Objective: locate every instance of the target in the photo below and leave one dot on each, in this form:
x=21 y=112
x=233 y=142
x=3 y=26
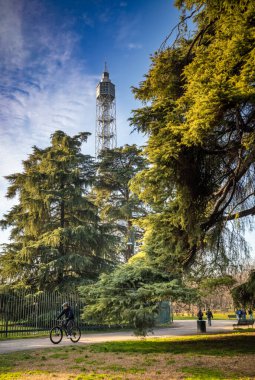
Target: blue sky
x=52 y=56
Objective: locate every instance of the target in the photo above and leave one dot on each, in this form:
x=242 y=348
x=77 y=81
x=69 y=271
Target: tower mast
x=106 y=134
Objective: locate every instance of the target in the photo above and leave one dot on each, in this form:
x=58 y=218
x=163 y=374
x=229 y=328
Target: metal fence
x=23 y=313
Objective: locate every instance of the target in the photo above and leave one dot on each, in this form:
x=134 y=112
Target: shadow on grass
x=216 y=345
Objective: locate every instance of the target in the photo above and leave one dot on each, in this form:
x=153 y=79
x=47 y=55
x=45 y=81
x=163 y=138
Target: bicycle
x=57 y=332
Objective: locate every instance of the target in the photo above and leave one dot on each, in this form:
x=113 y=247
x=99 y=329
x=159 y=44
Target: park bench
x=244 y=322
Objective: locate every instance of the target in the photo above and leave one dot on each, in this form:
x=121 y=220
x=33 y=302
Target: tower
x=106 y=134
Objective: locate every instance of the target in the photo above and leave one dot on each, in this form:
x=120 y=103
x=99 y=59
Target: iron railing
x=23 y=313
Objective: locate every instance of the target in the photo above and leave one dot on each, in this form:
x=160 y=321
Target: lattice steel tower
x=106 y=134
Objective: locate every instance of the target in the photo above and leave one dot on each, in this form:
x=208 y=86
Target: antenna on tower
x=106 y=133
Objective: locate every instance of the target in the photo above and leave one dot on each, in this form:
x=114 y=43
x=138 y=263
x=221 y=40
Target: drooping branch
x=177 y=26
x=200 y=36
x=241 y=169
x=242 y=201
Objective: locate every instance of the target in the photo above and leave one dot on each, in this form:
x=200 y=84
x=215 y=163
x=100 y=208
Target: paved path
x=179 y=328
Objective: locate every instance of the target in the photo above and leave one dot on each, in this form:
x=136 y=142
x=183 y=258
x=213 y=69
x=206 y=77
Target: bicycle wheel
x=75 y=334
x=56 y=334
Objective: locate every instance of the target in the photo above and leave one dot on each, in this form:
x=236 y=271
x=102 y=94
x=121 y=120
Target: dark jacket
x=200 y=315
x=209 y=314
x=68 y=312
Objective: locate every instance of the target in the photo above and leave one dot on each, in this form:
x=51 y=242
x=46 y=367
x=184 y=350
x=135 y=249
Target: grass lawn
x=24 y=335
x=223 y=356
x=216 y=316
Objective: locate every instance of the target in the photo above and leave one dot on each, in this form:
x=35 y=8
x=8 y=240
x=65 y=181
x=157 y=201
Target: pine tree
x=244 y=294
x=57 y=240
x=199 y=115
x=117 y=203
x=131 y=295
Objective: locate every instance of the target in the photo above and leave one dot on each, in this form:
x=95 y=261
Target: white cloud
x=28 y=120
x=43 y=89
x=11 y=39
x=132 y=46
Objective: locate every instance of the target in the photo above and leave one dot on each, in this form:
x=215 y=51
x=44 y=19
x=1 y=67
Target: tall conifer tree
x=57 y=240
x=117 y=203
x=199 y=114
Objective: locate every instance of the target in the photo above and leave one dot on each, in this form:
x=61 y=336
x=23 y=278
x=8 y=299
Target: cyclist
x=69 y=315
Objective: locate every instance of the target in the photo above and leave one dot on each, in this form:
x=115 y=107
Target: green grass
x=244 y=329
x=216 y=316
x=79 y=360
x=17 y=375
x=183 y=317
x=59 y=355
x=10 y=376
x=202 y=373
x=217 y=345
x=97 y=377
x=139 y=359
x=22 y=336
x=119 y=368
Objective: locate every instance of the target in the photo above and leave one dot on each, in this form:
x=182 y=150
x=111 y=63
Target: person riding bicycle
x=69 y=315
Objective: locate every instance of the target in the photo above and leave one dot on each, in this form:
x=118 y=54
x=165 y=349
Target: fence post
x=36 y=316
x=6 y=315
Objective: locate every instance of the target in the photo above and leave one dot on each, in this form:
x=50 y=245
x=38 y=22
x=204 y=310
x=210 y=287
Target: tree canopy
x=57 y=240
x=244 y=294
x=118 y=205
x=195 y=176
x=131 y=295
x=199 y=115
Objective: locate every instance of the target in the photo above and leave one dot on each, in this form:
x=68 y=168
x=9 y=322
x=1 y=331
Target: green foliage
x=198 y=113
x=209 y=287
x=218 y=284
x=131 y=295
x=117 y=203
x=57 y=240
x=244 y=294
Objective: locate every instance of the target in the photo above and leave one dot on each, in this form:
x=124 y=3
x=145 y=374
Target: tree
x=244 y=294
x=215 y=292
x=131 y=295
x=117 y=203
x=57 y=240
x=199 y=115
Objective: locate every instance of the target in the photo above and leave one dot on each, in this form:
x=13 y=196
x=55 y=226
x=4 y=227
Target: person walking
x=250 y=314
x=209 y=315
x=239 y=314
x=200 y=315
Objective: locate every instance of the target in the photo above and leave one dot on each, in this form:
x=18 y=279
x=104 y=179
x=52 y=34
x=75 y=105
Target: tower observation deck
x=106 y=134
